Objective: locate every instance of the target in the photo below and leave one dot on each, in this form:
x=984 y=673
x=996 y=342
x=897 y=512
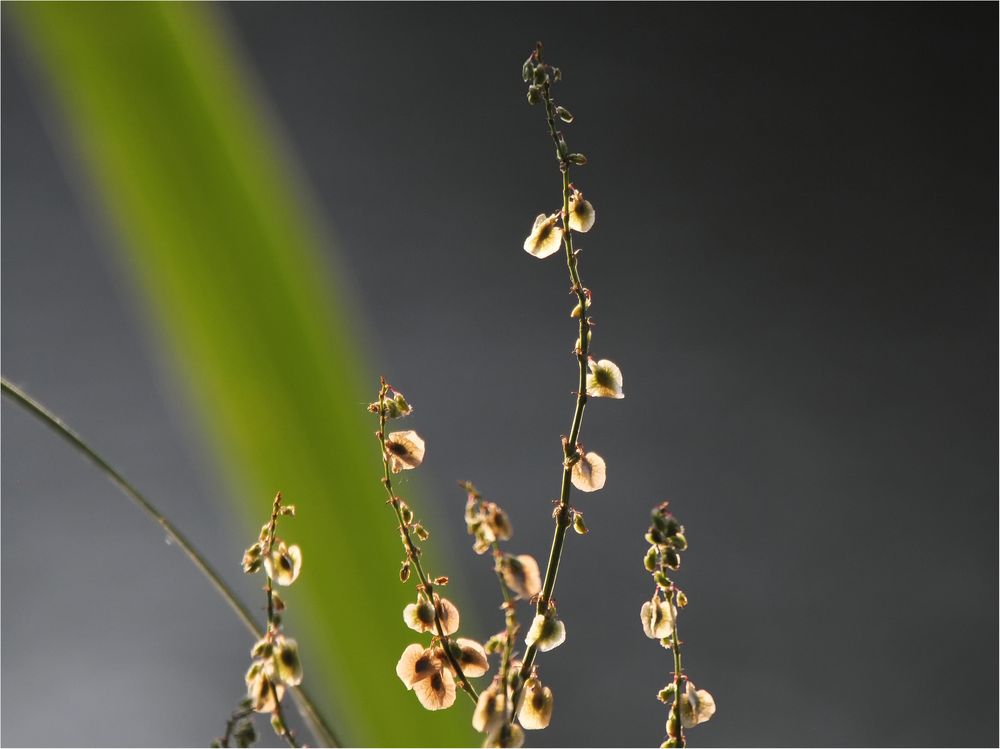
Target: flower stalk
x=383 y=408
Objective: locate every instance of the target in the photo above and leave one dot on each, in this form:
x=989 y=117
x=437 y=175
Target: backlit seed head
x=436 y=692
x=288 y=665
x=649 y=561
x=253 y=559
x=547 y=632
x=489 y=712
x=471 y=657
x=545 y=238
x=504 y=735
x=521 y=575
x=405 y=450
x=697 y=706
x=672 y=727
x=417 y=663
x=604 y=380
x=448 y=614
x=404 y=408
x=419 y=616
x=536 y=709
x=277 y=725
x=658 y=618
x=581 y=213
x=264 y=694
x=284 y=563
x=589 y=473
x=262 y=649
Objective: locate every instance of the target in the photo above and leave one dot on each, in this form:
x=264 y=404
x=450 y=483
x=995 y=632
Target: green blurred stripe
x=224 y=250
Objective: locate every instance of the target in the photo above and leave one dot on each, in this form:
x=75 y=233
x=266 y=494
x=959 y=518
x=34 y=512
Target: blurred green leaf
x=217 y=235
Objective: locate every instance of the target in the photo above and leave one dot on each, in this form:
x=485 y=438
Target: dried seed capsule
x=404 y=572
x=649 y=562
x=564 y=114
x=579 y=526
x=577 y=158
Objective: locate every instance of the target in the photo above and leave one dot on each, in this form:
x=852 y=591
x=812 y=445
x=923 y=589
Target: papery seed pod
x=471 y=657
x=404 y=572
x=672 y=559
x=564 y=114
x=253 y=559
x=405 y=512
x=673 y=526
x=589 y=473
x=391 y=410
x=489 y=712
x=419 y=616
x=581 y=213
x=666 y=695
x=679 y=541
x=649 y=562
x=577 y=158
x=526 y=70
x=658 y=618
x=579 y=526
x=547 y=632
x=545 y=238
x=672 y=727
x=415 y=664
x=284 y=563
x=577 y=311
x=262 y=649
x=662 y=580
x=604 y=380
x=682 y=599
x=697 y=706
x=405 y=450
x=536 y=709
x=539 y=74
x=655 y=536
x=288 y=663
x=447 y=614
x=404 y=408
x=245 y=734
x=534 y=95
x=496 y=642
x=277 y=725
x=436 y=692
x=288 y=510
x=422 y=533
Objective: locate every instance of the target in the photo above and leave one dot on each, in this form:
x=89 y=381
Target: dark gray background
x=794 y=264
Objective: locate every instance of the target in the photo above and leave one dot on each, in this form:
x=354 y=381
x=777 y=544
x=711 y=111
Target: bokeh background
x=222 y=223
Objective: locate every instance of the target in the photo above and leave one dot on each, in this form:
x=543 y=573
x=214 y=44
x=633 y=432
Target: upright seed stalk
x=411 y=550
x=562 y=514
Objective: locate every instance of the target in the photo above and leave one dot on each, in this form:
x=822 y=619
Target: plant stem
x=570 y=445
x=678 y=671
x=318 y=725
x=412 y=552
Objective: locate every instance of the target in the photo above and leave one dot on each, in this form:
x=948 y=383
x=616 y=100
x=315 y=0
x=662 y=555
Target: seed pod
x=404 y=572
x=672 y=559
x=534 y=95
x=579 y=526
x=682 y=600
x=679 y=541
x=564 y=114
x=540 y=74
x=577 y=158
x=662 y=580
x=422 y=533
x=406 y=512
x=650 y=560
x=666 y=695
